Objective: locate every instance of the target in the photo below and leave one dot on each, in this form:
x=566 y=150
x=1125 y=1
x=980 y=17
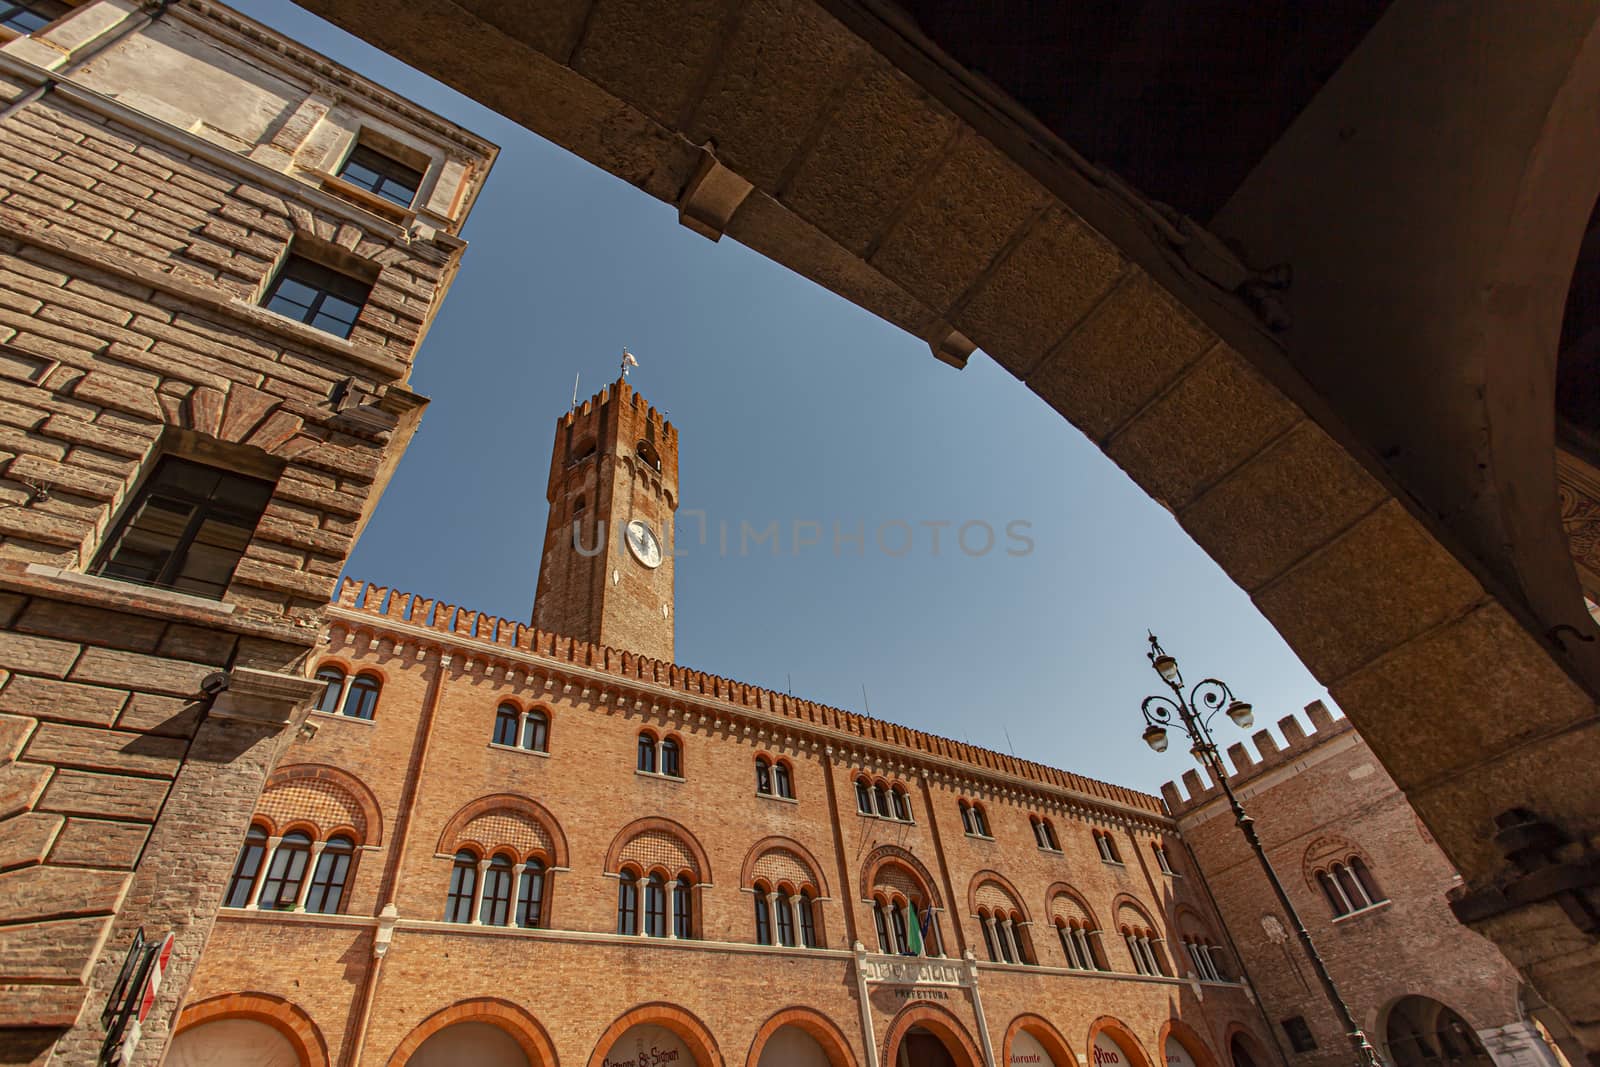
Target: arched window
x=683 y=908
x=647 y=752
x=763 y=916
x=785 y=921
x=966 y=817
x=763 y=776
x=897 y=922
x=1038 y=831
x=530 y=895
x=880 y=797
x=506 y=718
x=332 y=679
x=980 y=821
x=782 y=781
x=863 y=796
x=986 y=923
x=1162 y=859
x=1335 y=895
x=247 y=867
x=670 y=764
x=495 y=910
x=332 y=871
x=808 y=921
x=647 y=452
x=1369 y=885
x=902 y=809
x=288 y=867
x=1107 y=847
x=628 y=903
x=536 y=731
x=362 y=703
x=463 y=884
x=655 y=907
x=882 y=923
x=1352 y=889
x=1047 y=836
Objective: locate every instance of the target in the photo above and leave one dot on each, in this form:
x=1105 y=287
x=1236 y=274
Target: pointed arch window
x=332 y=679
x=628 y=903
x=530 y=895
x=863 y=796
x=506 y=718
x=362 y=701
x=332 y=871
x=463 y=887
x=288 y=867
x=247 y=868
x=683 y=908
x=973 y=818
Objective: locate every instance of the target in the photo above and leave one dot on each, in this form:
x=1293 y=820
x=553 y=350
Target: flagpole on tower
x=628 y=361
x=575 y=390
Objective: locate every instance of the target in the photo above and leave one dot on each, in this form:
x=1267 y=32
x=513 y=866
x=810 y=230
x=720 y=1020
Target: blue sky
x=794 y=405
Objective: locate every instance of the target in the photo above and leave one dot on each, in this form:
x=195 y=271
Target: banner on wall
x=1107 y=1053
x=1027 y=1052
x=647 y=1045
x=1177 y=1055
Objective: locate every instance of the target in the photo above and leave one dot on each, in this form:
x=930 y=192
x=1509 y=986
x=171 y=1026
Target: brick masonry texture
x=426 y=767
x=146 y=204
x=1322 y=795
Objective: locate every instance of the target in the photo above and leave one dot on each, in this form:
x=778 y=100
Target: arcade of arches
x=1363 y=435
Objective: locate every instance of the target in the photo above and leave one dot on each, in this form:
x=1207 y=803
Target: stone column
x=994 y=935
x=308 y=874
x=477 y=892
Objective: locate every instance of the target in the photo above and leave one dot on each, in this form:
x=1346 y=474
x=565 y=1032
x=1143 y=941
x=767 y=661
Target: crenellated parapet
x=1267 y=756
x=456 y=624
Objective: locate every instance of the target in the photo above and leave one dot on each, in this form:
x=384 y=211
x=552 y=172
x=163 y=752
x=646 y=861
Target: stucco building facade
x=219 y=253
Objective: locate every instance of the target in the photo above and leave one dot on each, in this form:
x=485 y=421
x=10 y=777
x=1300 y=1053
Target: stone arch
x=515 y=807
x=1045 y=1033
x=942 y=1024
x=688 y=1027
x=1238 y=1033
x=1326 y=849
x=658 y=824
x=282 y=1015
x=329 y=798
x=995 y=878
x=1190 y=1039
x=523 y=1028
x=1118 y=1032
x=821 y=1028
x=768 y=844
x=884 y=855
x=1125 y=903
x=1186 y=921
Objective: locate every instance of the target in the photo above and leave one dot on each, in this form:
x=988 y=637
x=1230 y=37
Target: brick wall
x=148 y=194
x=1324 y=793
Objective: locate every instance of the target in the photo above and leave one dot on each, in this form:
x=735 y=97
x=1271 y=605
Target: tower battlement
x=1268 y=756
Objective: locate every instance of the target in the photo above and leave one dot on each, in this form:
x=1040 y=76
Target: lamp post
x=1160 y=712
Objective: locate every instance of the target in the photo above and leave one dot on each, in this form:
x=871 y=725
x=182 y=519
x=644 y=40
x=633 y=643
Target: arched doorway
x=244 y=1042
x=1031 y=1041
x=925 y=1035
x=1421 y=1032
x=921 y=1047
x=790 y=1046
x=656 y=1035
x=1239 y=1051
x=1181 y=1046
x=800 y=1037
x=480 y=1044
x=1111 y=1044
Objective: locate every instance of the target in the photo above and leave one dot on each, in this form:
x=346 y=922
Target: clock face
x=643 y=544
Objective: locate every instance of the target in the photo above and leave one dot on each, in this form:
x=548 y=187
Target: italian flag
x=916 y=934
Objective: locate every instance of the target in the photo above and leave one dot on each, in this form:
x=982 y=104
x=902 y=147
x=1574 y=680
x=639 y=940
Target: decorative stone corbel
x=386 y=920
x=711 y=197
x=949 y=345
x=267 y=697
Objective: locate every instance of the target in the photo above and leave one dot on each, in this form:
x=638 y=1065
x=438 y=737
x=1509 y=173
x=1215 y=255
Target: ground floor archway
x=1245 y=1051
x=1031 y=1041
x=1112 y=1044
x=800 y=1037
x=926 y=1035
x=656 y=1035
x=249 y=1029
x=485 y=1032
x=1419 y=1031
x=1182 y=1046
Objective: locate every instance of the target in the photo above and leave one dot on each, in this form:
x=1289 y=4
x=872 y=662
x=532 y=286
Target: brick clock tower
x=606 y=572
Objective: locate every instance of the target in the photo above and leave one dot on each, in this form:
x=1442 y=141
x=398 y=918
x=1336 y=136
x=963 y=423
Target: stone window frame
x=890 y=798
x=679 y=899
x=422 y=155
x=1044 y=834
x=773 y=901
x=327 y=255
x=779 y=786
x=349 y=672
x=272 y=844
x=975 y=819
x=1106 y=845
x=657 y=746
x=525 y=717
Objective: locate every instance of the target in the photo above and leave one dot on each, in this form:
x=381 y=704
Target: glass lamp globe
x=1242 y=714
x=1167 y=667
x=1155 y=737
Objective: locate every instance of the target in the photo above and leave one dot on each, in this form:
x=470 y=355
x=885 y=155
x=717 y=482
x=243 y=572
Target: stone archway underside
x=855 y=153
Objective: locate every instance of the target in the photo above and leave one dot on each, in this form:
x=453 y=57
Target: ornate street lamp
x=1186 y=710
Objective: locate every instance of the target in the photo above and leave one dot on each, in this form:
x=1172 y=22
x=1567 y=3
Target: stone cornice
x=760 y=725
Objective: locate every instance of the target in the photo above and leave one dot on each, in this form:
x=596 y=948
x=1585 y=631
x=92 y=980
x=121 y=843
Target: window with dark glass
x=288 y=867
x=1049 y=836
x=880 y=797
x=31 y=15
x=530 y=895
x=362 y=703
x=884 y=944
x=763 y=777
x=332 y=679
x=496 y=905
x=763 y=918
x=897 y=921
x=536 y=732
x=988 y=939
x=317 y=295
x=1299 y=1033
x=670 y=765
x=782 y=783
x=327 y=881
x=628 y=904
x=979 y=821
x=506 y=718
x=1358 y=867
x=966 y=817
x=808 y=922
x=902 y=810
x=655 y=907
x=682 y=909
x=383 y=175
x=647 y=753
x=246 y=869
x=785 y=921
x=1161 y=858
x=463 y=883
x=863 y=797
x=187 y=528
